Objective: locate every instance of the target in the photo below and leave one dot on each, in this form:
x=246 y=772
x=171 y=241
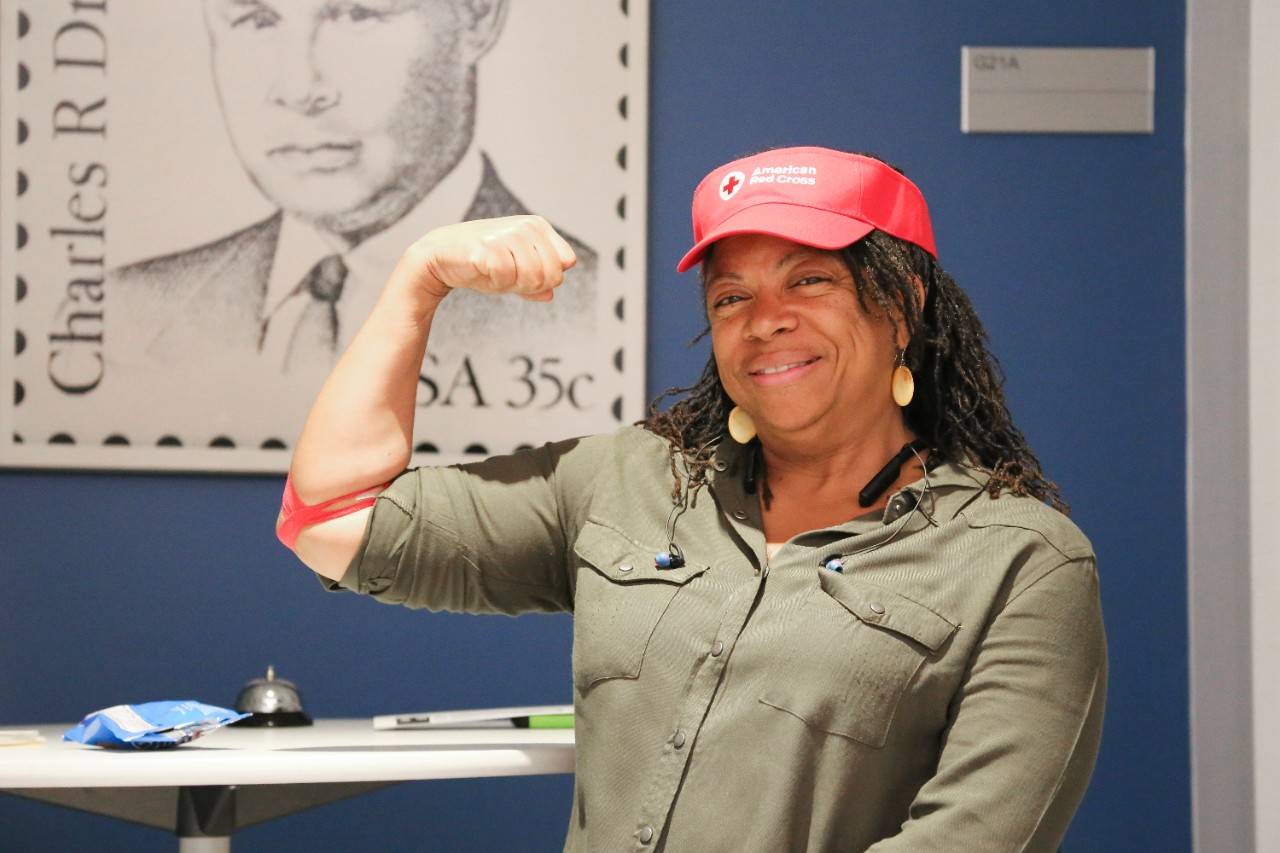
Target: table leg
x=206 y=818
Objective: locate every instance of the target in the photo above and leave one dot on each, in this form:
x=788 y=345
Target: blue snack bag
x=151 y=725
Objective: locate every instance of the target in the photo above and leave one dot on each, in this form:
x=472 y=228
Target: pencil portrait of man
x=356 y=122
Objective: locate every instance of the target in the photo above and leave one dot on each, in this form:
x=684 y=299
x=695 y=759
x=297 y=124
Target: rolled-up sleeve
x=485 y=537
x=1024 y=728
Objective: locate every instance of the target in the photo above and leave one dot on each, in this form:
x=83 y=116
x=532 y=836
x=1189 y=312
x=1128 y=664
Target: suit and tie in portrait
x=216 y=295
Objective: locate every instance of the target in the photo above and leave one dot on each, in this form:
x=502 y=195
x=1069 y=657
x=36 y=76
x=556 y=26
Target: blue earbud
x=667 y=560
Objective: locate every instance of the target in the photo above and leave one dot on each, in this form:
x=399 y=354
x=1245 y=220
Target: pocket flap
x=884 y=608
x=623 y=560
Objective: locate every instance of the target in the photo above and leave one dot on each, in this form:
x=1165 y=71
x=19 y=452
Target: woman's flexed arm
x=359 y=433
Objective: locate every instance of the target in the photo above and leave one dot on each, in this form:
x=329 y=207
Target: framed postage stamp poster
x=202 y=200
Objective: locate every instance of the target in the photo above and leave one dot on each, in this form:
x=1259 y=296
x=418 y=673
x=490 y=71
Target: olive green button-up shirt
x=938 y=686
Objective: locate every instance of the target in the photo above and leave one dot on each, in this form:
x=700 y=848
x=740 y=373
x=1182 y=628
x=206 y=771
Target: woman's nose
x=769 y=316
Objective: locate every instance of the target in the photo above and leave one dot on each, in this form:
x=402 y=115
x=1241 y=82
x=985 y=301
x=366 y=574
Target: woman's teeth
x=782 y=368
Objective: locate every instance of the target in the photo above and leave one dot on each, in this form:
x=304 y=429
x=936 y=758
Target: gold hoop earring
x=903 y=382
x=741 y=428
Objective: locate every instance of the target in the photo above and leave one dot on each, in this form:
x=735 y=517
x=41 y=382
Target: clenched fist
x=515 y=254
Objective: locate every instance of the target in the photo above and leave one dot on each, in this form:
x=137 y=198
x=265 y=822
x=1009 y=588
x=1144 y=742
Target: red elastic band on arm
x=295 y=515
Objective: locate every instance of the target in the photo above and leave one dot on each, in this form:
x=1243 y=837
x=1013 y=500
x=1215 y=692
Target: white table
x=236 y=777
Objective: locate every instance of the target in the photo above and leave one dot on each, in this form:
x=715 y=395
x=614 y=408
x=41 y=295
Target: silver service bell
x=273 y=702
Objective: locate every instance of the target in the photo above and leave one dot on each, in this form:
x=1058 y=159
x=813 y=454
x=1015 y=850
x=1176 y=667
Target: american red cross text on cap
x=813 y=196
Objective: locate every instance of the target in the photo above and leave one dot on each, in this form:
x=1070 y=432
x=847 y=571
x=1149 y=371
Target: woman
x=820 y=603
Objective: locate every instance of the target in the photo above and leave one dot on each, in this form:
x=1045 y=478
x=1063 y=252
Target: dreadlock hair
x=958 y=408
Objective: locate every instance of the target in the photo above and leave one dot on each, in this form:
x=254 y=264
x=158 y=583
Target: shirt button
x=625 y=567
x=646 y=834
x=740 y=515
x=876 y=607
x=720 y=465
x=716 y=648
x=678 y=740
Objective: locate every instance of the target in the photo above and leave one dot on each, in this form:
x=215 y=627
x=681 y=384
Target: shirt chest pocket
x=852 y=650
x=619 y=601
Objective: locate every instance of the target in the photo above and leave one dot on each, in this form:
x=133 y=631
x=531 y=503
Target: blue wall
x=122 y=587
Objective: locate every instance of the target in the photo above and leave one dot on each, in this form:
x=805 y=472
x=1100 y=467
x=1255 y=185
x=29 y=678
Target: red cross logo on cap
x=730 y=184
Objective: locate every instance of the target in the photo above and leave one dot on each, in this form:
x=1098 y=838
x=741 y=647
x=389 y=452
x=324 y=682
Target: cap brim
x=807 y=226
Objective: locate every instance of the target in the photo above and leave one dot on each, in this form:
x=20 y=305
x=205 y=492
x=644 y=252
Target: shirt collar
x=298 y=247
x=942 y=492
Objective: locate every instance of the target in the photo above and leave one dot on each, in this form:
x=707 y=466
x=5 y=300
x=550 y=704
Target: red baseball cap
x=813 y=196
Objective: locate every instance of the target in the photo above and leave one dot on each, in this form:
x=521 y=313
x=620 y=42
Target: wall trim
x=1218 y=492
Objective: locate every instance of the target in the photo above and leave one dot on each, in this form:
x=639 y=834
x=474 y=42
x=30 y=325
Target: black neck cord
x=870 y=493
x=886 y=476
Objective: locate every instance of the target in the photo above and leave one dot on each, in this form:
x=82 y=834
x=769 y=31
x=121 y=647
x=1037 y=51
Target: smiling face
x=794 y=346
x=348 y=113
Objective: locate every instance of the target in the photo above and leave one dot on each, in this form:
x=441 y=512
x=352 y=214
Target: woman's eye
x=812 y=279
x=726 y=300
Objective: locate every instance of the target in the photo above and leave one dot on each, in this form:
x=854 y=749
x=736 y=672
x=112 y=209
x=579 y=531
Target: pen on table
x=544 y=721
x=469 y=720
x=523 y=716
